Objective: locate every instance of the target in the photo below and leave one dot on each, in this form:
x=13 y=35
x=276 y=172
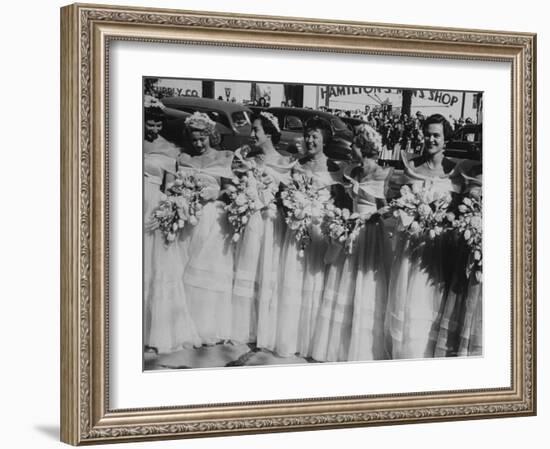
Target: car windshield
x=338 y=124
x=240 y=119
x=468 y=135
x=293 y=123
x=218 y=117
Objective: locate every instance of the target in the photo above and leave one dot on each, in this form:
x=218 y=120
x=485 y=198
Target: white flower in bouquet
x=241 y=199
x=300 y=198
x=341 y=227
x=439 y=216
x=424 y=210
x=415 y=227
x=476 y=222
x=468 y=224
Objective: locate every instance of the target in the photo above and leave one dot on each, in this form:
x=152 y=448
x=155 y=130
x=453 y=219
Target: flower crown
x=200 y=121
x=152 y=102
x=274 y=120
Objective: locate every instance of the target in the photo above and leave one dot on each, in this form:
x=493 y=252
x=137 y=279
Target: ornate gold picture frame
x=87 y=414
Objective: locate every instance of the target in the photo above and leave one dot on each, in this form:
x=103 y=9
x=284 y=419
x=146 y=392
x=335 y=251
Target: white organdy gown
x=302 y=279
x=167 y=321
x=417 y=290
x=257 y=265
x=351 y=319
x=208 y=271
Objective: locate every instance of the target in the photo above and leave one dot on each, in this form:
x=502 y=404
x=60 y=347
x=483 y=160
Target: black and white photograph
x=302 y=223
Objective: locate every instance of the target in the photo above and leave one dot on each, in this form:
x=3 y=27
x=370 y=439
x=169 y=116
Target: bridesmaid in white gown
x=207 y=253
x=167 y=322
x=303 y=276
x=460 y=329
x=351 y=319
x=255 y=294
x=420 y=276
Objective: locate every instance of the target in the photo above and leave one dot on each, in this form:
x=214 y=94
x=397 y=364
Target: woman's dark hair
x=268 y=126
x=435 y=119
x=154 y=113
x=321 y=124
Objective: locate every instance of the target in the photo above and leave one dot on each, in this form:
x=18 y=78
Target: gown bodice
x=274 y=165
x=159 y=158
x=326 y=176
x=209 y=168
x=364 y=195
x=439 y=184
x=365 y=191
x=278 y=167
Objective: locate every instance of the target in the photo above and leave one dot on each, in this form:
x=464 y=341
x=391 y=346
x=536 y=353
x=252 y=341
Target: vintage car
x=292 y=120
x=352 y=122
x=232 y=119
x=466 y=143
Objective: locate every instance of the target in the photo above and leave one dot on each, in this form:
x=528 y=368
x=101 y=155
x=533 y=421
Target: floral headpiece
x=201 y=122
x=152 y=102
x=274 y=120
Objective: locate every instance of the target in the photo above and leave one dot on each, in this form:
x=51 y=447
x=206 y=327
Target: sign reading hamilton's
x=438 y=96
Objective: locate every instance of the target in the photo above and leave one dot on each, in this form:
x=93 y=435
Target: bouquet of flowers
x=468 y=223
x=341 y=226
x=182 y=203
x=252 y=191
x=421 y=211
x=303 y=205
x=169 y=217
x=191 y=189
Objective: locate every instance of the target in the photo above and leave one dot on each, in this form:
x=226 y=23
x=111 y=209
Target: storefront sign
x=437 y=96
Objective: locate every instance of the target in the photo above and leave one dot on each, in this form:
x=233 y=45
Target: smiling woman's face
x=314 y=142
x=152 y=129
x=258 y=134
x=434 y=138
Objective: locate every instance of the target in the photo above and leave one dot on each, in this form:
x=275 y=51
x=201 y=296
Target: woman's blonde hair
x=199 y=121
x=368 y=140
